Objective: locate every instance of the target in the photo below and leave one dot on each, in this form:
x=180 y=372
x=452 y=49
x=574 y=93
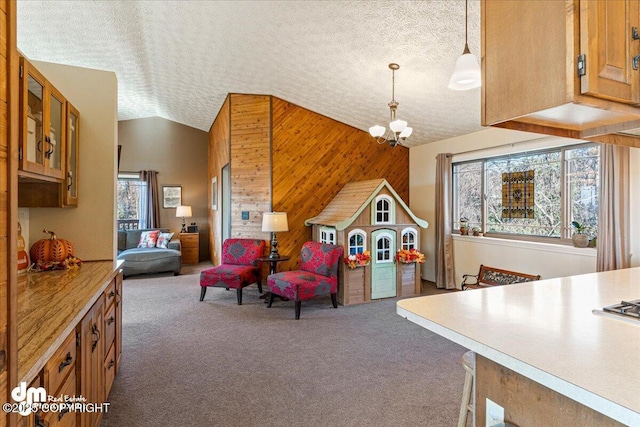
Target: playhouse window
x=383 y=252
x=409 y=238
x=383 y=212
x=328 y=235
x=357 y=242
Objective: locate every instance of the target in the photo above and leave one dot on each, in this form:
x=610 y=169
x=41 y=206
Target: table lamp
x=274 y=222
x=184 y=212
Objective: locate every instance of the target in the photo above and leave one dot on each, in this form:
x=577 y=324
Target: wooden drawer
x=109 y=328
x=110 y=294
x=189 y=240
x=63 y=418
x=109 y=370
x=60 y=364
x=189 y=255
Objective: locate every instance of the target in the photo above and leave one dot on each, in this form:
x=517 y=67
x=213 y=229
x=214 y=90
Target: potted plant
x=580 y=237
x=463 y=226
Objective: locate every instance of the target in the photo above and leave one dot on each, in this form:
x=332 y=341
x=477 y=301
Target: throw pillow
x=163 y=240
x=148 y=239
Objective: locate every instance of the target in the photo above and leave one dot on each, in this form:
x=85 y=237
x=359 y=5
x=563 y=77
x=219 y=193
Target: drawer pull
x=111 y=363
x=95 y=334
x=39 y=421
x=112 y=294
x=66 y=362
x=110 y=320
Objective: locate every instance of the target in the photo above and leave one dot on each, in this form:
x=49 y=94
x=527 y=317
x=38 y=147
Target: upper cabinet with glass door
x=43 y=117
x=73 y=145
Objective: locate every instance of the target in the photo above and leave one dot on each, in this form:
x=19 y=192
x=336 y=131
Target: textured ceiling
x=179 y=59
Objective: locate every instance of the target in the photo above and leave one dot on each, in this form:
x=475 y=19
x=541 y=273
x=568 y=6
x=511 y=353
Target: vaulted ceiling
x=179 y=59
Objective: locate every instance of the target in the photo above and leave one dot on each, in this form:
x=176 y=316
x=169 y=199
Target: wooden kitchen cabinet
x=532 y=58
x=42 y=123
x=90 y=367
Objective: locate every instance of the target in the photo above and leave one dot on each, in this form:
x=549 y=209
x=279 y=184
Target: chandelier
x=398 y=129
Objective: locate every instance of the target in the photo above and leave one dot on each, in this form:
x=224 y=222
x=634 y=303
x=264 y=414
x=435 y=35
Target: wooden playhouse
x=371 y=216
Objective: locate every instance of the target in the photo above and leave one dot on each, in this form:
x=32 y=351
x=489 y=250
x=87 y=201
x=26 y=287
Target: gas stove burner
x=625 y=308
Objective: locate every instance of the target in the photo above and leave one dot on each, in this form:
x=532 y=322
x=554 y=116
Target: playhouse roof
x=352 y=200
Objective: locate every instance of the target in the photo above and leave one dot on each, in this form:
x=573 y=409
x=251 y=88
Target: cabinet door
x=55 y=133
x=32 y=99
x=73 y=145
x=118 y=320
x=606 y=39
x=91 y=360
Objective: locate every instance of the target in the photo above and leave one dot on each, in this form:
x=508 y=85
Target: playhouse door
x=383 y=266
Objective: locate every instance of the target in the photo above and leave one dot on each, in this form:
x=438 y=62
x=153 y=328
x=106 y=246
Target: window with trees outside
x=131 y=194
x=357 y=242
x=566 y=187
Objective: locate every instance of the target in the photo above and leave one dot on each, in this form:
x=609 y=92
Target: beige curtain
x=444 y=242
x=613 y=214
x=150 y=215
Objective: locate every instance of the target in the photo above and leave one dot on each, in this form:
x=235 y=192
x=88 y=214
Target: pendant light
x=466 y=73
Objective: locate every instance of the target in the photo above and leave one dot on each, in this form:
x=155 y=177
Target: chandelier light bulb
x=398 y=125
x=376 y=131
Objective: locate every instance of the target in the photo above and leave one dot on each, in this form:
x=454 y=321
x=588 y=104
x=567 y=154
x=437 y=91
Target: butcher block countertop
x=50 y=305
x=546 y=331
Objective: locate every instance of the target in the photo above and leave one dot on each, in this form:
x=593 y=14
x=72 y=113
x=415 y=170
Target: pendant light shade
x=466 y=73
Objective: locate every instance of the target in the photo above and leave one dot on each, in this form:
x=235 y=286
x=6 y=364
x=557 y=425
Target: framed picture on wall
x=214 y=193
x=171 y=196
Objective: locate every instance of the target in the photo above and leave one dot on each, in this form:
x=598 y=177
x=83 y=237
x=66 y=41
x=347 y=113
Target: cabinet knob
x=66 y=362
x=112 y=294
x=110 y=364
x=110 y=320
x=635 y=61
x=95 y=333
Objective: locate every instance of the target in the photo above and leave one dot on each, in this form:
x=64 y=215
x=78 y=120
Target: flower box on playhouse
x=372 y=223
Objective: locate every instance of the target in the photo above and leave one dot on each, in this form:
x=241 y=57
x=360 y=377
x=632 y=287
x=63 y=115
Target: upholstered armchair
x=238 y=268
x=318 y=275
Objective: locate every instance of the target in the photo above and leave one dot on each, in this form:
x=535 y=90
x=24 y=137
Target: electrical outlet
x=494 y=413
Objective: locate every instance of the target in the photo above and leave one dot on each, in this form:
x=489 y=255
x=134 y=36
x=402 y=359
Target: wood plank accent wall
x=313 y=158
x=8 y=204
x=219 y=140
x=250 y=155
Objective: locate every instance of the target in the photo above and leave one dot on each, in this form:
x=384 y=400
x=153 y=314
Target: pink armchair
x=318 y=275
x=239 y=267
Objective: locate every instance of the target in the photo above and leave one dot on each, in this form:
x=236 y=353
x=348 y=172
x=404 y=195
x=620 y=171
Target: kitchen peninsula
x=540 y=343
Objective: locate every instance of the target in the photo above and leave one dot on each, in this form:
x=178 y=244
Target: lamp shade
x=274 y=222
x=398 y=125
x=183 y=211
x=466 y=73
x=376 y=131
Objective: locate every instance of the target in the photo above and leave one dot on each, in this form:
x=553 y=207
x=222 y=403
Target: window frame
x=389 y=237
x=409 y=230
x=391 y=212
x=357 y=231
x=565 y=202
x=327 y=230
x=133 y=176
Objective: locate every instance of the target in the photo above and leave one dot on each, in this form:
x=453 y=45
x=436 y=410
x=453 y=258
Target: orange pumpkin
x=51 y=249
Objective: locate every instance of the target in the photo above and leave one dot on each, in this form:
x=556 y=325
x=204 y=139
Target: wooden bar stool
x=469 y=365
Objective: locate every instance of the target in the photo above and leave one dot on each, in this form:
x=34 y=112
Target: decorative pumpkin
x=51 y=250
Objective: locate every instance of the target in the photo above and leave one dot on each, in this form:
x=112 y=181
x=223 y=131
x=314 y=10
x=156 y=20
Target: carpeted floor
x=214 y=363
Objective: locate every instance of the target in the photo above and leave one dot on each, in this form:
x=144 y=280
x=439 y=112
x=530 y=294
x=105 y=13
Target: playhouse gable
x=354 y=199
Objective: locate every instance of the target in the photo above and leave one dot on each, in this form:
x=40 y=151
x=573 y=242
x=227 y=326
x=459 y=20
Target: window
x=132 y=196
x=565 y=183
x=383 y=210
x=383 y=248
x=328 y=235
x=357 y=242
x=409 y=238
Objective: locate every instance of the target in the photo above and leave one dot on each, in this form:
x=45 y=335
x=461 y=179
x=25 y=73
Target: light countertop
x=50 y=305
x=546 y=331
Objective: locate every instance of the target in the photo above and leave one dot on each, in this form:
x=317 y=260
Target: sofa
x=148 y=260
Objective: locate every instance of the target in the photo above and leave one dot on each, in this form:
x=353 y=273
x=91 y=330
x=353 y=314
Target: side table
x=190 y=251
x=273 y=266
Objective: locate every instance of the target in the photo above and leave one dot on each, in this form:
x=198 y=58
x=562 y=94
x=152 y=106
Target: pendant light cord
x=466 y=27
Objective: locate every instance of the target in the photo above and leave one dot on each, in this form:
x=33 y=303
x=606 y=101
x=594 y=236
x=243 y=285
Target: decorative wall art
x=171 y=196
x=518 y=194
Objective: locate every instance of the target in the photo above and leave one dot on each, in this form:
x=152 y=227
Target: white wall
x=90 y=226
x=547 y=260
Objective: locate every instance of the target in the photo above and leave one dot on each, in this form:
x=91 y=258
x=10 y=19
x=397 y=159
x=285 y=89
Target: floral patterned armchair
x=239 y=267
x=318 y=275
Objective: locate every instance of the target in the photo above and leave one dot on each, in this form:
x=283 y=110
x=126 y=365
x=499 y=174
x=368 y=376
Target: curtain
x=150 y=206
x=444 y=241
x=613 y=209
